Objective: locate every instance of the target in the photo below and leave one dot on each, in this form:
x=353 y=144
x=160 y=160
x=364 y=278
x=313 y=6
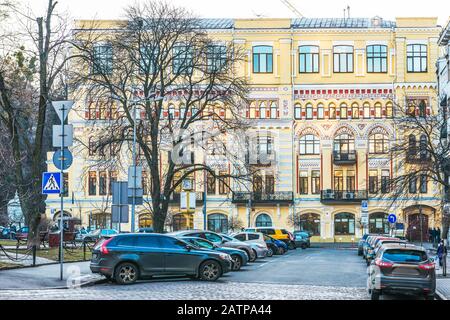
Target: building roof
x=445 y=35
x=309 y=23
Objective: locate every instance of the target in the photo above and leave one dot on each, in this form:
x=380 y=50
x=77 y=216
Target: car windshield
x=402 y=255
x=203 y=243
x=95 y=232
x=228 y=238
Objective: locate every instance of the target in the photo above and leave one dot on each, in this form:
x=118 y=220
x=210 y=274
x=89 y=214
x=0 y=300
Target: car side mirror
x=188 y=247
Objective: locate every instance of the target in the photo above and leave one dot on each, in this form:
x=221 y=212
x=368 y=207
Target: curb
x=439 y=296
x=89 y=283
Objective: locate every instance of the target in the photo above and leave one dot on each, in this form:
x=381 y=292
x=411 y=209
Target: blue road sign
x=65 y=156
x=51 y=183
x=392 y=218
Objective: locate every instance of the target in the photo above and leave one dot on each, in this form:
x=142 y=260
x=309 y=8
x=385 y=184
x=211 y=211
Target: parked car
x=146 y=230
x=402 y=269
x=81 y=234
x=219 y=239
x=362 y=242
x=369 y=243
x=258 y=249
x=279 y=246
x=250 y=237
x=7 y=233
x=99 y=233
x=371 y=253
x=22 y=233
x=239 y=257
x=279 y=234
x=302 y=239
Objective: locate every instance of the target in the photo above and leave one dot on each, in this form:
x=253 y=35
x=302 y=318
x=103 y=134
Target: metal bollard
x=84 y=250
x=34 y=255
x=444 y=265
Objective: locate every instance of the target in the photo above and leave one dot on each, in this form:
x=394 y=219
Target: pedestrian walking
x=430 y=235
x=438 y=235
x=441 y=252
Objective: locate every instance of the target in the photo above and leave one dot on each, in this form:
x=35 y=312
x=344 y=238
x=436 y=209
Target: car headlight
x=225 y=256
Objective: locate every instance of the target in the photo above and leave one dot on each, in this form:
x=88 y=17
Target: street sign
x=365 y=206
x=65 y=156
x=392 y=218
x=364 y=220
x=57 y=136
x=62 y=108
x=120 y=204
x=131 y=177
x=138 y=195
x=51 y=183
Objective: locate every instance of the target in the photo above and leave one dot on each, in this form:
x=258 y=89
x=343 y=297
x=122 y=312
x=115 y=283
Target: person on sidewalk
x=438 y=235
x=441 y=252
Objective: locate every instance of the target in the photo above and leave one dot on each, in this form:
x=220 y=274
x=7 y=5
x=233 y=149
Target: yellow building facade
x=323 y=95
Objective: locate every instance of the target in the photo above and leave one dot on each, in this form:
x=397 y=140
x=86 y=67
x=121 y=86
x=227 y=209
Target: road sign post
x=62 y=108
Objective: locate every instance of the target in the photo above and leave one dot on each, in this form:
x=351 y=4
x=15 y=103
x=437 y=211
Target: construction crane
x=291 y=7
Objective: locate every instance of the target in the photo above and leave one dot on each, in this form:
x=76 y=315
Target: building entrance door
x=417 y=229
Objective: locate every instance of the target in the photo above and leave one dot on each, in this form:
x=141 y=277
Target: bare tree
x=162 y=54
x=235 y=224
x=28 y=83
x=420 y=156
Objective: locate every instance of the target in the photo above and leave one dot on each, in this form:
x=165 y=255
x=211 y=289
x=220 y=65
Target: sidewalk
x=47 y=277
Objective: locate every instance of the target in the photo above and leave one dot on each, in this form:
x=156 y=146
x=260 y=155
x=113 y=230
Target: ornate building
x=323 y=99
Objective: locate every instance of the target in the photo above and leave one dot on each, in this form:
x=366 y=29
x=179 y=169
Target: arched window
x=343 y=111
x=262 y=59
x=262 y=110
x=172 y=112
x=182 y=222
x=389 y=110
x=218 y=223
x=309 y=144
x=273 y=110
x=355 y=111
x=378 y=110
x=344 y=143
x=320 y=111
x=344 y=224
x=378 y=143
x=412 y=145
x=298 y=111
x=423 y=147
x=309 y=111
x=422 y=109
x=366 y=107
x=331 y=111
x=145 y=221
x=310 y=222
x=263 y=220
x=182 y=111
x=378 y=223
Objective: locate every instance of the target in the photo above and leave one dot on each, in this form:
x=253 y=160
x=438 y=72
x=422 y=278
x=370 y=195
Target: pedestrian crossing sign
x=51 y=183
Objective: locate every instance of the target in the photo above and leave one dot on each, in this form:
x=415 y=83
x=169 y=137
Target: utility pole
x=61 y=215
x=133 y=205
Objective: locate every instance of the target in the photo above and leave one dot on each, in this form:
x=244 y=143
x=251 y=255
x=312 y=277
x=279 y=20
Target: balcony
x=343 y=197
x=344 y=158
x=263 y=198
x=175 y=198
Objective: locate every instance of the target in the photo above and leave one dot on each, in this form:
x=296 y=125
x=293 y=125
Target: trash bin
x=53 y=240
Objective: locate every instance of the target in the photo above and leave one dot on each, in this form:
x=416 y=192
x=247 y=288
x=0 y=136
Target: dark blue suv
x=127 y=258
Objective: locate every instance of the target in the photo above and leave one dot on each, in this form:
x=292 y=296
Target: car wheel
x=304 y=246
x=375 y=294
x=360 y=253
x=270 y=252
x=368 y=262
x=237 y=262
x=126 y=273
x=255 y=253
x=210 y=271
x=292 y=246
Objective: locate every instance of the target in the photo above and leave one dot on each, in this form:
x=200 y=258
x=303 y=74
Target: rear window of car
x=253 y=237
x=240 y=237
x=404 y=255
x=284 y=231
x=147 y=242
x=126 y=241
x=266 y=231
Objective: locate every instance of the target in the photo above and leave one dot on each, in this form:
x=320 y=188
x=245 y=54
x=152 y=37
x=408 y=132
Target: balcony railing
x=348 y=157
x=332 y=196
x=259 y=197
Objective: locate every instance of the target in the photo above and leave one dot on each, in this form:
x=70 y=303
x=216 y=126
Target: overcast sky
x=388 y=9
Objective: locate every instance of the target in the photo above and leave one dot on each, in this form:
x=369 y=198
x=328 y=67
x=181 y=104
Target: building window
x=91 y=146
x=102 y=185
x=417 y=58
x=92 y=183
x=145 y=182
x=112 y=179
x=385 y=179
x=351 y=181
x=270 y=184
x=310 y=222
x=373 y=181
x=171 y=112
x=183 y=222
x=224 y=183
x=257 y=184
x=378 y=110
x=412 y=184
x=343 y=114
x=422 y=109
x=315 y=182
x=218 y=223
x=262 y=110
x=355 y=111
x=344 y=143
x=264 y=146
x=298 y=111
x=366 y=108
x=103 y=59
x=332 y=111
x=309 y=111
x=149 y=59
x=303 y=182
x=309 y=59
x=423 y=183
x=339 y=180
x=412 y=145
x=217 y=58
x=377 y=59
x=423 y=147
x=262 y=59
x=309 y=145
x=273 y=110
x=263 y=220
x=210 y=184
x=343 y=59
x=389 y=110
x=378 y=143
x=182 y=59
x=378 y=223
x=344 y=224
x=320 y=111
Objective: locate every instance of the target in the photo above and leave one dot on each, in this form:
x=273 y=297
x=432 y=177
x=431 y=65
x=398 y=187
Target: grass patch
x=5 y=242
x=53 y=254
x=6 y=266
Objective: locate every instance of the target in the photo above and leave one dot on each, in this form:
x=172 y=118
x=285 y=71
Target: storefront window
x=218 y=223
x=344 y=224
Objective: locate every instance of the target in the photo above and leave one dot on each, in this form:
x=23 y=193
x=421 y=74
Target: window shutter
x=278 y=114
